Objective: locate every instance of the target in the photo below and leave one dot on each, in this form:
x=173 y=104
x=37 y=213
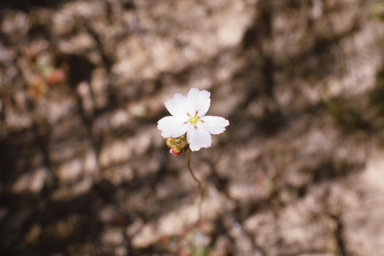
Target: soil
x=85 y=171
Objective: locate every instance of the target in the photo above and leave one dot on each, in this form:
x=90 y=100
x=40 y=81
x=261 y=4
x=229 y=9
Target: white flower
x=188 y=116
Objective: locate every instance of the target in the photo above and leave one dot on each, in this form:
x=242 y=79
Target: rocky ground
x=84 y=170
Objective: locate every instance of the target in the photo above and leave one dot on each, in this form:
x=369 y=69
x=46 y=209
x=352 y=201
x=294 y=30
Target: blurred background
x=299 y=170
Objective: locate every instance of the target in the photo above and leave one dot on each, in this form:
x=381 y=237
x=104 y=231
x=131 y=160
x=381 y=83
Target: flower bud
x=170 y=142
x=177 y=150
x=177 y=145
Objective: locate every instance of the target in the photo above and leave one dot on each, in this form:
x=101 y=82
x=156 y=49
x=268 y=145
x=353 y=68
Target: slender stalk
x=202 y=192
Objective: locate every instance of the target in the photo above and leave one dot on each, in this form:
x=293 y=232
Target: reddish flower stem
x=202 y=192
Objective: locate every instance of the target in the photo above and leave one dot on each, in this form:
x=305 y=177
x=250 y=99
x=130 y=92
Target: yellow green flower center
x=194 y=119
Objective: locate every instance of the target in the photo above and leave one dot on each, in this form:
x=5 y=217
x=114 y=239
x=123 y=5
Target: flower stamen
x=194 y=119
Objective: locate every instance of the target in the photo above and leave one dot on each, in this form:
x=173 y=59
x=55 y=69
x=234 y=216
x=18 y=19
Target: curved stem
x=202 y=192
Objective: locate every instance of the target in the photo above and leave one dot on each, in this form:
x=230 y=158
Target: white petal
x=213 y=124
x=198 y=101
x=198 y=138
x=171 y=126
x=177 y=106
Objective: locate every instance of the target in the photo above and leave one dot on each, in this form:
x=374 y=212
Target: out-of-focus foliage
x=377 y=10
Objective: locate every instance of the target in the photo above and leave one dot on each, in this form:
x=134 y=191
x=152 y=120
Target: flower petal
x=171 y=126
x=177 y=106
x=198 y=101
x=213 y=124
x=198 y=138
